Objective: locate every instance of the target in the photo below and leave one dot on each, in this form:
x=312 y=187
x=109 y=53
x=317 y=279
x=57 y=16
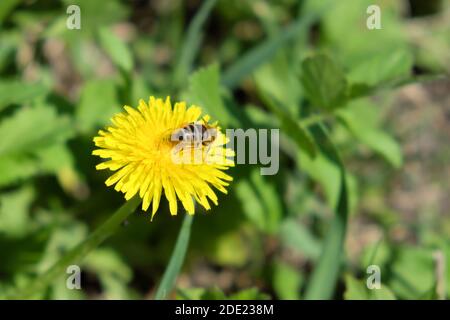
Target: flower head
x=140 y=149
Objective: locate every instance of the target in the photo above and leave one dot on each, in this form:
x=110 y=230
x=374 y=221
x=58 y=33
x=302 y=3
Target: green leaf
x=355 y=289
x=358 y=117
x=412 y=272
x=382 y=67
x=114 y=274
x=348 y=37
x=32 y=128
x=176 y=260
x=214 y=293
x=18 y=92
x=260 y=118
x=327 y=174
x=21 y=252
x=384 y=293
x=190 y=293
x=249 y=294
x=358 y=290
x=6 y=6
x=323 y=81
x=260 y=201
x=277 y=79
x=230 y=250
x=287 y=281
x=17 y=167
x=14 y=211
x=59 y=291
x=378 y=253
x=25 y=135
x=98 y=103
x=117 y=50
x=55 y=158
x=65 y=234
x=296 y=236
x=9 y=45
x=265 y=51
x=204 y=90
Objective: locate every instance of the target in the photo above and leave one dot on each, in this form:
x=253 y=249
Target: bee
x=195 y=133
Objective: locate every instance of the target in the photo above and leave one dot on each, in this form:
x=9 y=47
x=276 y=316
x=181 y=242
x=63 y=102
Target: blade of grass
x=176 y=260
x=192 y=42
x=75 y=255
x=323 y=280
x=263 y=52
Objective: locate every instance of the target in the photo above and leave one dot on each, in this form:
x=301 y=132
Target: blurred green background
x=378 y=98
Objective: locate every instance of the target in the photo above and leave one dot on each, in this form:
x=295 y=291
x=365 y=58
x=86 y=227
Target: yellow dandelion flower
x=139 y=148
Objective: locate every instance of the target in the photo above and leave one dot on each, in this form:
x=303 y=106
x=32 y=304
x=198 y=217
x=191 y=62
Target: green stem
x=176 y=260
x=322 y=283
x=323 y=280
x=75 y=255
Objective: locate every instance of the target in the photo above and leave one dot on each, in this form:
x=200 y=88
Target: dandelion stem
x=176 y=260
x=75 y=255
